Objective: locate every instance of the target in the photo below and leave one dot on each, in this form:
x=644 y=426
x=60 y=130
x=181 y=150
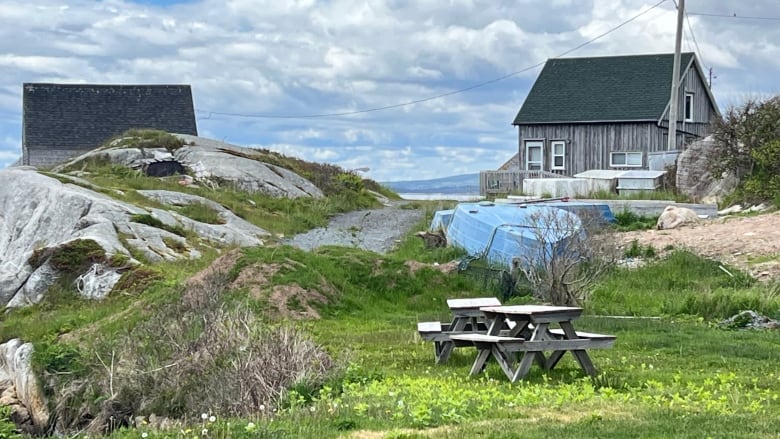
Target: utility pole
x=672 y=144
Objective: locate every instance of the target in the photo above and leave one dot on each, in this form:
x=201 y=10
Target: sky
x=310 y=78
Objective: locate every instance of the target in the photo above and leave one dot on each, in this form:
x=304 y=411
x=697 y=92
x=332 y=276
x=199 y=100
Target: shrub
x=72 y=257
x=747 y=141
x=202 y=354
x=562 y=270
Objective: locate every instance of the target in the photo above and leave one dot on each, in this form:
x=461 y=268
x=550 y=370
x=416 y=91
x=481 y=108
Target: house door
x=534 y=155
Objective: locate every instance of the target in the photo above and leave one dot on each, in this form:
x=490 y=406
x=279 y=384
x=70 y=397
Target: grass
x=641 y=195
x=678 y=375
x=282 y=216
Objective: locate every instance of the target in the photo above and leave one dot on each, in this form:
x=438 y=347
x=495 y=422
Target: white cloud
x=307 y=57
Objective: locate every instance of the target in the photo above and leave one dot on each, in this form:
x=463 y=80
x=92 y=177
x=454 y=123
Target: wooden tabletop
x=475 y=302
x=530 y=309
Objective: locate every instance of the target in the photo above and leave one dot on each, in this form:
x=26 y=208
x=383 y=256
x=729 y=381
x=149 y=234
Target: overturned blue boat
x=501 y=232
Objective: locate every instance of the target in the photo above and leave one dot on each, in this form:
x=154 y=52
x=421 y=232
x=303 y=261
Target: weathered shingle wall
x=62 y=120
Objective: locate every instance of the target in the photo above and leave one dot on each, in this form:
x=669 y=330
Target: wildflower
x=212 y=418
x=204 y=432
x=144 y=435
x=250 y=427
x=262 y=407
x=204 y=416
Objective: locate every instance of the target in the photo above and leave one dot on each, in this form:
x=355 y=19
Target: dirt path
x=749 y=243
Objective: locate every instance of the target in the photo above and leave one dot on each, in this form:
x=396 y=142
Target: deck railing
x=504 y=182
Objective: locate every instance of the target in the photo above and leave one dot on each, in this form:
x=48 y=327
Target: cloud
x=307 y=57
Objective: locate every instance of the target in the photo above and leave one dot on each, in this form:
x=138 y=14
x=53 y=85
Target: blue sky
x=307 y=57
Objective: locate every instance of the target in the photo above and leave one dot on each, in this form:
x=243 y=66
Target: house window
x=558 y=155
x=625 y=159
x=534 y=157
x=689 y=107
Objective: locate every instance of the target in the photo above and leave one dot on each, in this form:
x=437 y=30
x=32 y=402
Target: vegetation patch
x=146 y=138
x=627 y=221
x=637 y=250
x=201 y=212
x=136 y=280
x=149 y=220
x=71 y=257
x=175 y=245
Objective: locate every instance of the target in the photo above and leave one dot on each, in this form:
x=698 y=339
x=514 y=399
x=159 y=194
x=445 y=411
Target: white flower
x=144 y=435
x=204 y=432
x=212 y=418
x=262 y=407
x=204 y=416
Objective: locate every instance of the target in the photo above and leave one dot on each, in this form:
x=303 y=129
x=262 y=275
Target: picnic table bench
x=466 y=319
x=530 y=336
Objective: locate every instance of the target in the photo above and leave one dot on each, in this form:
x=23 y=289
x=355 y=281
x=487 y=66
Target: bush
x=562 y=270
x=747 y=141
x=202 y=354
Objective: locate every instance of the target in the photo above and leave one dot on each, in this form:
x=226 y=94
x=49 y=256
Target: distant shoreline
x=441 y=196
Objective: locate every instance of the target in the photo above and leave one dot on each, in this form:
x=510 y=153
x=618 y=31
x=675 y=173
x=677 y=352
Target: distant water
x=439 y=196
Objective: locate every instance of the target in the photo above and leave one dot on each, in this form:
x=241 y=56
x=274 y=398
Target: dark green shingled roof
x=615 y=88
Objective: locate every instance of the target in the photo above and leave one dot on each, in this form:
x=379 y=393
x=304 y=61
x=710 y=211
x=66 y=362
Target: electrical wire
x=434 y=97
x=744 y=17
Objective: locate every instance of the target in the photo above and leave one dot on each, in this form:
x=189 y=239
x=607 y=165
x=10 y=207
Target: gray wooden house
x=60 y=121
x=610 y=112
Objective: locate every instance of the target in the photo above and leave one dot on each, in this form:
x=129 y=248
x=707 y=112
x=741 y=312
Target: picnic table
x=466 y=319
x=530 y=336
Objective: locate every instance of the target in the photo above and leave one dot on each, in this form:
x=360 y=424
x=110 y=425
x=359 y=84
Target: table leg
x=482 y=357
x=504 y=359
x=447 y=347
x=581 y=355
x=523 y=368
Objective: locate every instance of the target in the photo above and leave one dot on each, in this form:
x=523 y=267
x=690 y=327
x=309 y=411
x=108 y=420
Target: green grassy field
x=674 y=375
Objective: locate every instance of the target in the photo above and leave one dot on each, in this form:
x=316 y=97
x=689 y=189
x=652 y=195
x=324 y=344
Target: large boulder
x=694 y=178
x=673 y=217
x=41 y=215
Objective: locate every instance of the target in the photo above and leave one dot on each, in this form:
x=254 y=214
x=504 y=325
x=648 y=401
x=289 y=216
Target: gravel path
x=377 y=230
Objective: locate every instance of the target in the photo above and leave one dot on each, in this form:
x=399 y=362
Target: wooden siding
x=588 y=146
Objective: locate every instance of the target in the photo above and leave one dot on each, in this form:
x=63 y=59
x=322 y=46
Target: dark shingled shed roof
x=601 y=89
x=84 y=116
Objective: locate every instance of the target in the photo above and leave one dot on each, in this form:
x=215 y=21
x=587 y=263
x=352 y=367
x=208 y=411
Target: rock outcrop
x=213 y=163
x=19 y=389
x=41 y=214
x=693 y=175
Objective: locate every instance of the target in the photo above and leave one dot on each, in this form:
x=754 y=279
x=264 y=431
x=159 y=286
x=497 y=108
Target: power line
x=745 y=17
x=439 y=96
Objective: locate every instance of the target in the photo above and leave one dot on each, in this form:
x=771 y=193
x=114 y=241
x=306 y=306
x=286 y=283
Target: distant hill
x=456 y=184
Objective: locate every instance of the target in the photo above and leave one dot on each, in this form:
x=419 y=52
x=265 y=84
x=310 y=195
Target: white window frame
x=626 y=162
x=534 y=144
x=688 y=105
x=553 y=166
